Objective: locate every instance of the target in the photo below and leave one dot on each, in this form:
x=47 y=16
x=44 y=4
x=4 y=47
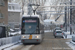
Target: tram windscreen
x=30 y=26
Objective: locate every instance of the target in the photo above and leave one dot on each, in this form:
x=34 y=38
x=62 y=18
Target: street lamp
x=34 y=7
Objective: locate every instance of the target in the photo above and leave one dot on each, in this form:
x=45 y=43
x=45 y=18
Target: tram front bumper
x=30 y=40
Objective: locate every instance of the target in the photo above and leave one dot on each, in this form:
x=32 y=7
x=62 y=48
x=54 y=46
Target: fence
x=9 y=40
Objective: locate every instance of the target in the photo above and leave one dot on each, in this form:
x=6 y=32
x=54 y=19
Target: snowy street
x=49 y=41
x=37 y=24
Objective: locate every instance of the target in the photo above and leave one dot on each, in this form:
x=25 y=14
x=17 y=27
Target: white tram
x=32 y=30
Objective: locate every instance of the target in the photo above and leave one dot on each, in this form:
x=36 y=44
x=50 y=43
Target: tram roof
x=31 y=16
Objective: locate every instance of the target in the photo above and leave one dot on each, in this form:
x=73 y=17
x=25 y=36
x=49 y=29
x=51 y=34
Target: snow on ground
x=71 y=45
x=73 y=42
x=68 y=32
x=7 y=45
x=27 y=47
x=49 y=20
x=67 y=35
x=14 y=45
x=48 y=31
x=10 y=48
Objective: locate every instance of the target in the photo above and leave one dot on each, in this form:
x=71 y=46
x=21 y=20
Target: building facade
x=14 y=11
x=4 y=12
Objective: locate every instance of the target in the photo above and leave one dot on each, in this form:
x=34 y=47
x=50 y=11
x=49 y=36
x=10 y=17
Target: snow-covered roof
x=48 y=20
x=14 y=7
x=11 y=29
x=58 y=30
x=12 y=3
x=14 y=10
x=31 y=15
x=59 y=22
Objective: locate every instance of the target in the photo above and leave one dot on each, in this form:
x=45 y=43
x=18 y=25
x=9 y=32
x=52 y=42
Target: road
x=49 y=43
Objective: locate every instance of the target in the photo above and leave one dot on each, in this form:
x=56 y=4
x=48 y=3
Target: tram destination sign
x=29 y=21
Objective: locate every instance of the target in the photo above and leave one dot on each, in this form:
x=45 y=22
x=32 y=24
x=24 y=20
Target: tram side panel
x=42 y=30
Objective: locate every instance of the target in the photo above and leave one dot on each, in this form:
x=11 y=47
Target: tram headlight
x=23 y=36
x=37 y=36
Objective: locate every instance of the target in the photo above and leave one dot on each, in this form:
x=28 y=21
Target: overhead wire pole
x=70 y=17
x=65 y=19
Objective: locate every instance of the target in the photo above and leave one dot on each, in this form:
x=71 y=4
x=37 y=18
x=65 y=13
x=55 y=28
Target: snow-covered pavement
x=15 y=46
x=71 y=45
x=67 y=35
x=48 y=31
x=8 y=45
x=19 y=46
x=10 y=48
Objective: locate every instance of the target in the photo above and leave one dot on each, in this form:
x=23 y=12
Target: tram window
x=30 y=27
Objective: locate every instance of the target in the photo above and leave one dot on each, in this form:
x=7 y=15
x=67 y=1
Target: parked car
x=13 y=32
x=57 y=28
x=18 y=30
x=58 y=33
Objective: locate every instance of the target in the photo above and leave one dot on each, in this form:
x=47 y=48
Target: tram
x=32 y=29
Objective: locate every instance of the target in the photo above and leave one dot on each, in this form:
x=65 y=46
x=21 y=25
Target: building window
x=9 y=7
x=1 y=2
x=1 y=15
x=13 y=7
